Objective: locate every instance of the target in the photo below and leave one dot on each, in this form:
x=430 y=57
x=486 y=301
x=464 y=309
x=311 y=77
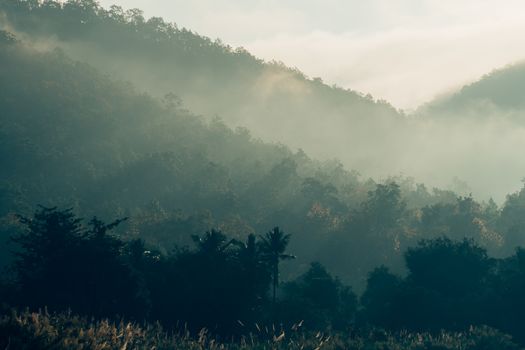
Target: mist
x=282 y=105
x=169 y=190
x=405 y=52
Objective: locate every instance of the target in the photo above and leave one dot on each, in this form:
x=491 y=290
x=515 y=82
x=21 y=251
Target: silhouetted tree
x=45 y=273
x=62 y=264
x=273 y=245
x=251 y=259
x=449 y=267
x=318 y=299
x=379 y=298
x=447 y=287
x=213 y=243
x=255 y=277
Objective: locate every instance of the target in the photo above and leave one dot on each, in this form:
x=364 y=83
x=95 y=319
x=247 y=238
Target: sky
x=404 y=51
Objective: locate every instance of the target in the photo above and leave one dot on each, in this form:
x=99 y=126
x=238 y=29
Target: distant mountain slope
x=275 y=102
x=71 y=136
x=503 y=90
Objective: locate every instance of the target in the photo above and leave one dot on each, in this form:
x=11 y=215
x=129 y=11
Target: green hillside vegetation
x=275 y=102
x=499 y=92
x=211 y=78
x=95 y=144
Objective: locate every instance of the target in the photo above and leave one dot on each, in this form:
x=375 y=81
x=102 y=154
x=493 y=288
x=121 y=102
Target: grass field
x=35 y=331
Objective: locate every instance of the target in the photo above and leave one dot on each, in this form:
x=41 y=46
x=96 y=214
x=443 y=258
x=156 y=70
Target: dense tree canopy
x=105 y=149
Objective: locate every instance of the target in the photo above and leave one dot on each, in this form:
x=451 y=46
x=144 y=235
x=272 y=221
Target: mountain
x=275 y=102
x=71 y=136
x=87 y=141
x=93 y=137
x=499 y=92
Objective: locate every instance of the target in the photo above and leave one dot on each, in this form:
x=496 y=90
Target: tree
x=273 y=245
x=251 y=260
x=43 y=262
x=453 y=268
x=512 y=219
x=447 y=285
x=384 y=208
x=319 y=299
x=61 y=263
x=378 y=300
x=254 y=277
x=212 y=244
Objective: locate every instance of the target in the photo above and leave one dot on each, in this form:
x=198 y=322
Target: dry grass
x=35 y=331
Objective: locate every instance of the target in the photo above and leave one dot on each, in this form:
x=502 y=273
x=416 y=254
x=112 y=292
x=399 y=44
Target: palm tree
x=248 y=254
x=273 y=246
x=213 y=243
x=254 y=267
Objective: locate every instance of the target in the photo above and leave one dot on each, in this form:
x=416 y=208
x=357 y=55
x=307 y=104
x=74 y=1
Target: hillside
x=212 y=78
x=274 y=102
x=98 y=145
x=499 y=92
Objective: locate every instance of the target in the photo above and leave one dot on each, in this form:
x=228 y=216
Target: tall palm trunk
x=275 y=278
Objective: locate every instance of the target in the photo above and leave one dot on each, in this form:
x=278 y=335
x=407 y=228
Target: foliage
x=60 y=264
x=450 y=285
x=38 y=331
x=319 y=300
x=222 y=284
x=97 y=145
x=273 y=245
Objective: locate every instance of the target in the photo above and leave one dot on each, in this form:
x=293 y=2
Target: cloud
x=405 y=66
x=404 y=51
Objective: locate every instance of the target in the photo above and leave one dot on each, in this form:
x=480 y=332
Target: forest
x=131 y=207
